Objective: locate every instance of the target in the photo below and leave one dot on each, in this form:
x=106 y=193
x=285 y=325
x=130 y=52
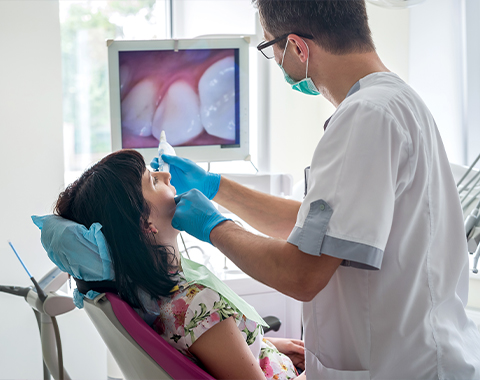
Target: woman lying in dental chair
x=135 y=208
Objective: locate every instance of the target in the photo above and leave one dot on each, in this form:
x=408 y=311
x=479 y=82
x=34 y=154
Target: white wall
x=297 y=120
x=472 y=15
x=31 y=178
x=436 y=68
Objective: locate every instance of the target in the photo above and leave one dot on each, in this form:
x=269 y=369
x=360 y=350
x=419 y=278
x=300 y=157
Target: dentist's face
x=159 y=193
x=285 y=59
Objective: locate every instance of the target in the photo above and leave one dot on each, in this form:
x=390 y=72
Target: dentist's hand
x=196 y=215
x=186 y=175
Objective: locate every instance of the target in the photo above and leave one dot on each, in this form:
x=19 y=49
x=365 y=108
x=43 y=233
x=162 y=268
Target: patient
x=135 y=208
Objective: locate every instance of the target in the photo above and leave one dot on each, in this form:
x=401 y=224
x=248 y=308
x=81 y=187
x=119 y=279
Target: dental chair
x=138 y=350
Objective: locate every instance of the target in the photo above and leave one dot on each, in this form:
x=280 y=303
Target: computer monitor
x=196 y=90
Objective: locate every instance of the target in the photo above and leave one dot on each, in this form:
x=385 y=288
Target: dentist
x=377 y=249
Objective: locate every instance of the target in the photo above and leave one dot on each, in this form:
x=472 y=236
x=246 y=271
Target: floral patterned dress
x=193 y=309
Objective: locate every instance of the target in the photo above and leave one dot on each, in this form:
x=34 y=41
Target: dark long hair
x=110 y=193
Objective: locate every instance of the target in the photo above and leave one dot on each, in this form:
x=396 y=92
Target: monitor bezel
x=208 y=153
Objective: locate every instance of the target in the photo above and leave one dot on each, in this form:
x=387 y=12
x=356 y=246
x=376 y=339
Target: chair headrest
x=81 y=252
x=84 y=254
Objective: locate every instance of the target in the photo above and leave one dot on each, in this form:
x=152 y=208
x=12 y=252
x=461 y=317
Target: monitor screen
x=194 y=90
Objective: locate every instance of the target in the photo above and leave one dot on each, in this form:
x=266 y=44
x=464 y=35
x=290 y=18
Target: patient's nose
x=164 y=176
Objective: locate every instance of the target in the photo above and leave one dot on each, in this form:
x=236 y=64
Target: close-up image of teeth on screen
x=192 y=95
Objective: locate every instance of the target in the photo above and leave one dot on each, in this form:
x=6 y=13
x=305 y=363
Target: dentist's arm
x=274 y=262
x=273 y=216
x=270 y=215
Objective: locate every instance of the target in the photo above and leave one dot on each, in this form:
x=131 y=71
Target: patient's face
x=159 y=193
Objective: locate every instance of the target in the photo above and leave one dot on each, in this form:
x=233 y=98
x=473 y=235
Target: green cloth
x=200 y=274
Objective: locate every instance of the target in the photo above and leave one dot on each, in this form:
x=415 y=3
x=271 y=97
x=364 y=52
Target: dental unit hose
x=163 y=148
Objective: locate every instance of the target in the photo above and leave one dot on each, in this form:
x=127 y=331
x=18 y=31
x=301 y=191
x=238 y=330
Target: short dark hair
x=110 y=193
x=338 y=26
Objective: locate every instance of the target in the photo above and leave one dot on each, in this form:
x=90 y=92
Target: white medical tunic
x=381 y=196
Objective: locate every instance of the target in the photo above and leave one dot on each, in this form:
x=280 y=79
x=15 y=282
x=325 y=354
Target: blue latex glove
x=187 y=175
x=196 y=215
x=154 y=164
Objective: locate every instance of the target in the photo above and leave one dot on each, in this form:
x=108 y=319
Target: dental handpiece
x=163 y=148
x=41 y=294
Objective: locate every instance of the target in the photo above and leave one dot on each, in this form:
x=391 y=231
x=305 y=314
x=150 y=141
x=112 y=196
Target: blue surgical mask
x=306 y=85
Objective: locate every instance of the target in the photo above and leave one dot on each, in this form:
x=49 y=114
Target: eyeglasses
x=266 y=47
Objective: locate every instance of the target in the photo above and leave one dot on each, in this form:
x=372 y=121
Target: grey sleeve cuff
x=312 y=239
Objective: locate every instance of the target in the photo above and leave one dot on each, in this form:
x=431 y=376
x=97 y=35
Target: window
x=85 y=25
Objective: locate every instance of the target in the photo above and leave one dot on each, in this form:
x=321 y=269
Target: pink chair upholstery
x=143 y=348
x=172 y=361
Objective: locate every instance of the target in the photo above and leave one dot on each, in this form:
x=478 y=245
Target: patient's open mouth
x=190 y=94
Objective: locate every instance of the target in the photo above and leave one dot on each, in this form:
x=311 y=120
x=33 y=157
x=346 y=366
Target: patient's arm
x=225 y=354
x=273 y=216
